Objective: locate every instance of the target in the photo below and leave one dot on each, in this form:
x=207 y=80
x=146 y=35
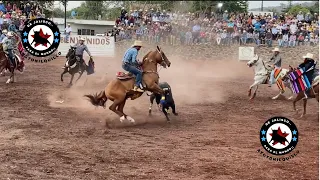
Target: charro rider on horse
x=308 y=67
x=9 y=46
x=130 y=64
x=80 y=47
x=276 y=64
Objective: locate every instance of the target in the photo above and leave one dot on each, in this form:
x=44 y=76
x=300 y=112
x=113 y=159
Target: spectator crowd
x=166 y=27
x=14 y=16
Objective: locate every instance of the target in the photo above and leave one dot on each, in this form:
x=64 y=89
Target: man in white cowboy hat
x=80 y=48
x=68 y=31
x=130 y=63
x=275 y=63
x=309 y=68
x=3 y=35
x=9 y=46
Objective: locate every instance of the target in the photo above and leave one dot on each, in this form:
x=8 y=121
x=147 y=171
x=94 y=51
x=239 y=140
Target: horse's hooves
x=131 y=119
x=176 y=114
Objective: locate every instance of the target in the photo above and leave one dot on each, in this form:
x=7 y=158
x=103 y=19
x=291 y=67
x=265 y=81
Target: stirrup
x=138 y=89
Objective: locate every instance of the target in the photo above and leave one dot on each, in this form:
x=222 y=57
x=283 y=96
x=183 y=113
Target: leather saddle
x=124 y=75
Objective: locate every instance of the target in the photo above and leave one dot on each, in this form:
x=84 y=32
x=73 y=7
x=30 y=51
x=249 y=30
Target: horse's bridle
x=150 y=60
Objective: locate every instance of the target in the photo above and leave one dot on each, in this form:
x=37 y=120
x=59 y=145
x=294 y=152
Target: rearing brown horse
x=120 y=89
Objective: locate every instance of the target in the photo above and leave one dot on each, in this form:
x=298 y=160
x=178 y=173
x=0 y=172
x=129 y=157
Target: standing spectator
x=244 y=37
x=280 y=39
x=67 y=31
x=196 y=32
x=292 y=40
x=285 y=40
x=269 y=38
x=293 y=28
x=139 y=33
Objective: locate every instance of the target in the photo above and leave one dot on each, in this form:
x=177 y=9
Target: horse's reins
x=255 y=61
x=156 y=72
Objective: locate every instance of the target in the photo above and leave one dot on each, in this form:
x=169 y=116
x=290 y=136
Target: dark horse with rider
x=75 y=62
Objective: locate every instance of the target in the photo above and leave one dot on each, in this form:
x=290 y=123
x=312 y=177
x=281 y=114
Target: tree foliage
x=315 y=8
x=211 y=6
x=294 y=10
x=58 y=13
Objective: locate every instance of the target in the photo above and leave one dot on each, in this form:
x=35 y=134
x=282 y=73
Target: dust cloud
x=193 y=82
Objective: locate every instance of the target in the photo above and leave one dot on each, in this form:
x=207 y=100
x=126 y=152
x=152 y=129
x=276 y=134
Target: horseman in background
x=275 y=63
x=9 y=46
x=80 y=48
x=308 y=67
x=130 y=64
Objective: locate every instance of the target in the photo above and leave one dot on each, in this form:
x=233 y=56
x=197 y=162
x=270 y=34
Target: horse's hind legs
x=116 y=106
x=304 y=107
x=120 y=108
x=79 y=76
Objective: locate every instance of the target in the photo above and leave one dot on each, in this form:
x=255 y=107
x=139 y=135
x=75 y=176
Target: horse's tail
x=97 y=99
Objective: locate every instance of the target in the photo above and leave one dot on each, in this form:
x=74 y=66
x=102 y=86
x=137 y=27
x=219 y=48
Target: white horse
x=262 y=73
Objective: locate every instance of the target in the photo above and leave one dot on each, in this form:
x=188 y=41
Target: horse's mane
x=144 y=57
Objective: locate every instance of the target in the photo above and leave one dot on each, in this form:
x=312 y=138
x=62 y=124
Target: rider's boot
x=138 y=89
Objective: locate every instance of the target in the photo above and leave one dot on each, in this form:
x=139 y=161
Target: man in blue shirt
x=130 y=63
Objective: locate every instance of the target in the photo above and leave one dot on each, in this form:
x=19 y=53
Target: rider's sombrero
x=137 y=43
x=276 y=50
x=4 y=31
x=81 y=39
x=309 y=55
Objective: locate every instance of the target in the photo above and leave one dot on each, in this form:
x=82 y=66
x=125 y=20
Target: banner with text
x=246 y=53
x=97 y=45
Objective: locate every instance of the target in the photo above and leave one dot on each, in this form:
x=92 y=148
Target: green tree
x=315 y=8
x=211 y=6
x=91 y=9
x=58 y=13
x=294 y=10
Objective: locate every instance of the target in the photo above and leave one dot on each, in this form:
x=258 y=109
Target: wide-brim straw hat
x=82 y=39
x=137 y=43
x=309 y=55
x=276 y=50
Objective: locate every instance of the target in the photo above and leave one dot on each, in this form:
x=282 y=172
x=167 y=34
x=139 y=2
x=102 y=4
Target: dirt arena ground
x=215 y=136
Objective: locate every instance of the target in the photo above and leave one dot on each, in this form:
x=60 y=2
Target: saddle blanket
x=299 y=81
x=278 y=77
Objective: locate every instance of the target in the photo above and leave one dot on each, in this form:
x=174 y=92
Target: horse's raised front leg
x=65 y=71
